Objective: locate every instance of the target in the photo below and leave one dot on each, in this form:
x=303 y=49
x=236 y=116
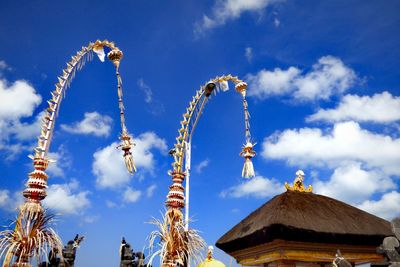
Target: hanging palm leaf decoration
x=177 y=245
x=32 y=235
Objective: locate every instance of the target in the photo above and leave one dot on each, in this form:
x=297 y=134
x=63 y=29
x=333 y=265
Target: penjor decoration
x=32 y=236
x=178 y=243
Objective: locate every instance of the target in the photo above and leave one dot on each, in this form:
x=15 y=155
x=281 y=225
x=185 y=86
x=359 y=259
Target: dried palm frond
x=175 y=244
x=31 y=237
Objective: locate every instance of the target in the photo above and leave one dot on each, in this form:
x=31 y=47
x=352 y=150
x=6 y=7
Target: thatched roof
x=306 y=217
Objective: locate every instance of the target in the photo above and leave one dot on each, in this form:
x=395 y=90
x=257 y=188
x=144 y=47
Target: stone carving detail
x=391 y=245
x=130 y=258
x=68 y=252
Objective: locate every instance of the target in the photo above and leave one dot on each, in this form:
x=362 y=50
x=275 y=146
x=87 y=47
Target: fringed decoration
x=115 y=56
x=248 y=153
x=176 y=245
x=126 y=147
x=64 y=81
x=31 y=237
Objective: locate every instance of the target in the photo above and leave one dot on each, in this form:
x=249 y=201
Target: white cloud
x=110 y=204
x=272 y=83
x=379 y=108
x=345 y=142
x=10 y=202
x=225 y=10
x=148 y=93
x=203 y=164
x=91 y=218
x=387 y=207
x=108 y=165
x=27 y=131
x=62 y=161
x=92 y=123
x=327 y=77
x=17 y=100
x=150 y=190
x=145 y=143
x=155 y=106
x=248 y=53
x=258 y=186
x=3 y=65
x=63 y=198
x=351 y=184
x=131 y=195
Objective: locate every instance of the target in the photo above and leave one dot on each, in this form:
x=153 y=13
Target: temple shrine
x=301 y=228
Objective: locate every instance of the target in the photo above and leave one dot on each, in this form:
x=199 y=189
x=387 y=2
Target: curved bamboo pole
x=32 y=236
x=178 y=243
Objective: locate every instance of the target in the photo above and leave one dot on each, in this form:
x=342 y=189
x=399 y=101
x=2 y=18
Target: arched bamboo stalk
x=178 y=243
x=32 y=236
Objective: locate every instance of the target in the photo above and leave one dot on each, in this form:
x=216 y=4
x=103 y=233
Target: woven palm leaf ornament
x=178 y=244
x=32 y=236
x=247 y=151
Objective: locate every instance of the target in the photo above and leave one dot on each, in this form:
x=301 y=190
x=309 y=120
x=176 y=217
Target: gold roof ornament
x=298 y=184
x=210 y=261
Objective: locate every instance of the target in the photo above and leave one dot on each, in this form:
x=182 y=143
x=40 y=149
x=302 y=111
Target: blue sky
x=323 y=94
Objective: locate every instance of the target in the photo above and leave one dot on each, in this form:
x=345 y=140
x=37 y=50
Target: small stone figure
x=130 y=258
x=340 y=261
x=68 y=252
x=391 y=245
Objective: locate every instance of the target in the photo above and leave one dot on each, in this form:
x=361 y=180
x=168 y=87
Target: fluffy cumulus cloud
x=65 y=198
x=379 y=108
x=10 y=201
x=131 y=195
x=269 y=83
x=109 y=167
x=92 y=123
x=60 y=160
x=18 y=101
x=386 y=207
x=225 y=10
x=364 y=164
x=258 y=186
x=329 y=76
x=352 y=184
x=347 y=141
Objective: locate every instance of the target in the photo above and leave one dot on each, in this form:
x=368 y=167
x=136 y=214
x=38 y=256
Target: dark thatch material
x=306 y=217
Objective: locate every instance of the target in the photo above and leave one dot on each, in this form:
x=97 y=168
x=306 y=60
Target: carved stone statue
x=68 y=252
x=130 y=258
x=391 y=245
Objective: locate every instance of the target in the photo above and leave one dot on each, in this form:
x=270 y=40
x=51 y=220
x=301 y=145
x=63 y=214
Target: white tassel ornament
x=248 y=153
